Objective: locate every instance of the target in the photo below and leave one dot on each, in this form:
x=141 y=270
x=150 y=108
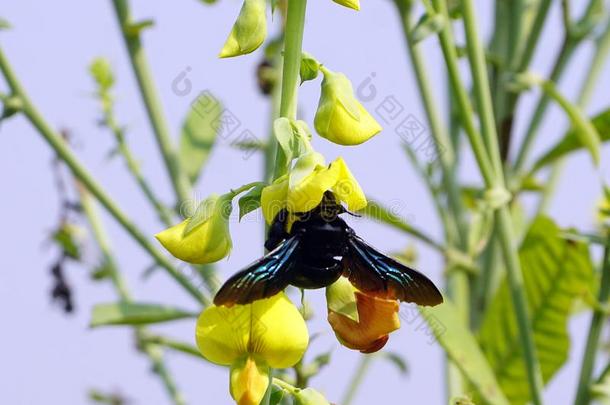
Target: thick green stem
x=503 y=219
x=593 y=338
x=456 y=228
x=461 y=96
x=154 y=353
x=141 y=70
x=56 y=142
x=293 y=43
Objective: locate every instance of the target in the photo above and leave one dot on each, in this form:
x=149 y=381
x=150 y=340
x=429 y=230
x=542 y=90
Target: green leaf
x=428 y=25
x=461 y=346
x=572 y=143
x=250 y=201
x=135 y=314
x=556 y=272
x=199 y=132
x=4 y=24
x=277 y=394
x=67 y=238
x=310 y=67
x=584 y=130
x=600 y=391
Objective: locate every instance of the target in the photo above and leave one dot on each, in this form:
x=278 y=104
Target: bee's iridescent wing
x=262 y=279
x=375 y=273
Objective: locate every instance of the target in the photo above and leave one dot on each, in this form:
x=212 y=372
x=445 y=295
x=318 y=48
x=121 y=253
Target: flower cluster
x=271 y=333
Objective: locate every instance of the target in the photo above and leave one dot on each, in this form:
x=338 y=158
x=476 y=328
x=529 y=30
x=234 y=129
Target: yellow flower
x=360 y=321
x=303 y=188
x=203 y=238
x=340 y=117
x=355 y=4
x=249 y=31
x=251 y=339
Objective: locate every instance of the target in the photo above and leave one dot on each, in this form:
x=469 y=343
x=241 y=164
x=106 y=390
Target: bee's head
x=330 y=207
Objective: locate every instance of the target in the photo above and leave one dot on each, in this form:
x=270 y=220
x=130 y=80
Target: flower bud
x=309 y=396
x=203 y=238
x=354 y=4
x=340 y=117
x=249 y=31
x=249 y=381
x=376 y=317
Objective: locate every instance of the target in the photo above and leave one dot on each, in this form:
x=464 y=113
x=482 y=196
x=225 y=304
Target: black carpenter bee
x=319 y=248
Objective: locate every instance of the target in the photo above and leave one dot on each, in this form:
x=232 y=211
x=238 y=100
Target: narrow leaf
x=135 y=314
x=461 y=346
x=571 y=142
x=199 y=132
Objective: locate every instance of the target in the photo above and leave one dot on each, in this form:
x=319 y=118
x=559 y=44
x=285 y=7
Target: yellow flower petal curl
x=377 y=318
x=353 y=4
x=249 y=381
x=271 y=330
x=249 y=31
x=303 y=189
x=207 y=243
x=340 y=117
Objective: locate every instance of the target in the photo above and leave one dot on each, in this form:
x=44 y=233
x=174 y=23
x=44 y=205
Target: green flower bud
x=249 y=31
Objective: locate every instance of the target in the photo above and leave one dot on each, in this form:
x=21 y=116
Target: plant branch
x=504 y=223
x=154 y=353
x=357 y=378
x=293 y=43
x=78 y=170
x=139 y=63
x=593 y=338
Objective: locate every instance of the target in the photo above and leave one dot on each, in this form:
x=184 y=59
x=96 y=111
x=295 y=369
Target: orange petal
x=378 y=317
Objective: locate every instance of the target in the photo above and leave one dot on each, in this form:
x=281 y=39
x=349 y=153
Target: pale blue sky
x=49 y=358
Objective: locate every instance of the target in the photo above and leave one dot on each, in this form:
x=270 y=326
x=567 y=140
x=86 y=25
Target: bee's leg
x=277 y=231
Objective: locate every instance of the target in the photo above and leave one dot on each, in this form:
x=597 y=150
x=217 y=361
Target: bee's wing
x=373 y=272
x=262 y=279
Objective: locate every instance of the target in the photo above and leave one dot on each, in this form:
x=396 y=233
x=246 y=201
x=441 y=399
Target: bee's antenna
x=353 y=214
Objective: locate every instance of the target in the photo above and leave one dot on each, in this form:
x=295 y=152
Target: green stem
x=293 y=43
x=456 y=228
x=164 y=341
x=154 y=353
x=503 y=219
x=567 y=49
x=570 y=44
x=593 y=338
x=78 y=170
x=134 y=168
x=482 y=93
x=151 y=100
x=357 y=378
x=462 y=98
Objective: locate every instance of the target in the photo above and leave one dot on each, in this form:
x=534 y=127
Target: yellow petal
x=271 y=329
x=249 y=31
x=340 y=117
x=377 y=318
x=273 y=198
x=308 y=194
x=249 y=381
x=347 y=188
x=207 y=243
x=354 y=4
